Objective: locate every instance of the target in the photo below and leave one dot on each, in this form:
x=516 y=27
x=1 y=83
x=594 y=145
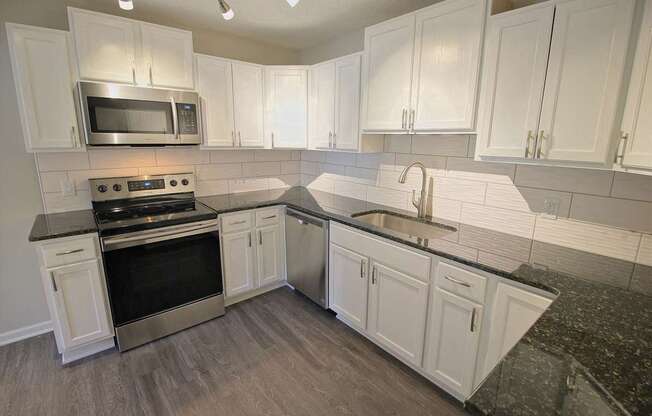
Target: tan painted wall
x=342 y=45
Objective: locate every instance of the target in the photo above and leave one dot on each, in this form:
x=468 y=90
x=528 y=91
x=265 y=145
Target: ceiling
x=310 y=23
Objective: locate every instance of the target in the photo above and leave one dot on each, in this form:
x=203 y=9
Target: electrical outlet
x=67 y=188
x=551 y=207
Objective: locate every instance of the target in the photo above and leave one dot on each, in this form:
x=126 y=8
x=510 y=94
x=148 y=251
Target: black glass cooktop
x=124 y=216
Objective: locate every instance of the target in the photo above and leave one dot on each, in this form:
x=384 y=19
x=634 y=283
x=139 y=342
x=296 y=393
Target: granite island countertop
x=590 y=353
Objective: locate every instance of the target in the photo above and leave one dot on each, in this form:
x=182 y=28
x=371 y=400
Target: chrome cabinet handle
x=270 y=217
x=54 y=283
x=330 y=139
x=539 y=144
x=403 y=118
x=473 y=320
x=260 y=238
x=361 y=269
x=239 y=140
x=73 y=137
x=412 y=114
x=150 y=75
x=527 y=144
x=620 y=154
x=133 y=75
x=373 y=275
x=249 y=238
x=272 y=139
x=456 y=281
x=238 y=222
x=233 y=138
x=334 y=140
x=63 y=253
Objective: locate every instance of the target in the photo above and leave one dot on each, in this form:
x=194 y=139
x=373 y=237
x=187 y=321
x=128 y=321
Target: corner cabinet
x=75 y=289
x=116 y=49
x=231 y=95
x=44 y=80
x=253 y=252
x=420 y=71
x=635 y=149
x=540 y=104
x=287 y=107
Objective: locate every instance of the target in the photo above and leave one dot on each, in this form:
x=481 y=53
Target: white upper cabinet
x=421 y=70
x=115 y=49
x=446 y=65
x=168 y=56
x=215 y=87
x=322 y=105
x=579 y=105
x=558 y=105
x=516 y=56
x=347 y=103
x=106 y=46
x=637 y=123
x=387 y=74
x=248 y=104
x=287 y=107
x=44 y=82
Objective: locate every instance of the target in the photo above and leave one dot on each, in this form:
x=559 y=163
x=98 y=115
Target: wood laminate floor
x=277 y=354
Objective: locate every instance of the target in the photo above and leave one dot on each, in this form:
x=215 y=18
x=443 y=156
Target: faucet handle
x=415 y=201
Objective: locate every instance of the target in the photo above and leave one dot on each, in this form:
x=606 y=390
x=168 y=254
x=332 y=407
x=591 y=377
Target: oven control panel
x=106 y=189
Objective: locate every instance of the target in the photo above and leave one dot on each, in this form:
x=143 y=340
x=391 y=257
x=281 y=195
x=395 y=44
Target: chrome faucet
x=420 y=203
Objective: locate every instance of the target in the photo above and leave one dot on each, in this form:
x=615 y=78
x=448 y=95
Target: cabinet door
x=397 y=312
x=248 y=104
x=322 y=105
x=287 y=100
x=348 y=285
x=168 y=56
x=105 y=46
x=81 y=303
x=215 y=87
x=452 y=344
x=44 y=86
x=269 y=255
x=587 y=59
x=516 y=55
x=446 y=65
x=637 y=123
x=238 y=260
x=347 y=103
x=388 y=74
x=514 y=312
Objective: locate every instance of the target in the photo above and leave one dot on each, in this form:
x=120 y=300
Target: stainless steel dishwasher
x=307 y=255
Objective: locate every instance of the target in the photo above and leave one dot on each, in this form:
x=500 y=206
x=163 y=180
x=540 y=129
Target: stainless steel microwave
x=115 y=114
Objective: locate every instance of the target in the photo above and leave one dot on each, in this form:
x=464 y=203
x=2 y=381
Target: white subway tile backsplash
x=436 y=165
x=362 y=175
x=62 y=161
x=56 y=202
x=52 y=181
x=398 y=143
x=272 y=155
x=389 y=197
x=121 y=158
x=284 y=181
x=526 y=199
x=389 y=179
x=465 y=168
x=171 y=157
x=253 y=169
x=645 y=251
x=248 y=185
x=231 y=156
x=340 y=158
x=627 y=185
x=350 y=189
x=313 y=156
x=290 y=166
x=322 y=183
x=516 y=223
x=440 y=145
x=496 y=242
x=499 y=262
x=165 y=170
x=460 y=190
x=212 y=187
x=310 y=168
x=586 y=181
x=446 y=209
x=590 y=238
x=376 y=160
x=455 y=249
x=80 y=177
x=621 y=213
x=330 y=169
x=223 y=171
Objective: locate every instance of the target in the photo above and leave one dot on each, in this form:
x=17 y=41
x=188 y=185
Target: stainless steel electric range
x=161 y=255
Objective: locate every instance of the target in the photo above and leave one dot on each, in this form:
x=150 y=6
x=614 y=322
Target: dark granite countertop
x=590 y=353
x=63 y=224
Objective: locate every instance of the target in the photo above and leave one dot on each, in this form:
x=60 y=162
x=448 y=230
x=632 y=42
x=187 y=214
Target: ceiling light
x=293 y=3
x=227 y=11
x=126 y=4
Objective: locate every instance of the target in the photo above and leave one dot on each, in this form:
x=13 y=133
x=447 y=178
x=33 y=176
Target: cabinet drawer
x=461 y=282
x=268 y=216
x=236 y=222
x=404 y=260
x=69 y=251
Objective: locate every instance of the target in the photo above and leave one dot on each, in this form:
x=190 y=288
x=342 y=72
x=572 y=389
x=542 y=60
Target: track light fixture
x=126 y=4
x=227 y=11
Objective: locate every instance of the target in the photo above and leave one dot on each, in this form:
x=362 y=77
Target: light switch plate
x=67 y=188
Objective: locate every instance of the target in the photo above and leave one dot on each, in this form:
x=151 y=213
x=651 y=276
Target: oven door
x=126 y=115
x=159 y=270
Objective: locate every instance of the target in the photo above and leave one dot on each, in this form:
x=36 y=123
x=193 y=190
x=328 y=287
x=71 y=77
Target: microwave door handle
x=175 y=121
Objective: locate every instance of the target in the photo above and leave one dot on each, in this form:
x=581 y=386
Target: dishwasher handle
x=306 y=219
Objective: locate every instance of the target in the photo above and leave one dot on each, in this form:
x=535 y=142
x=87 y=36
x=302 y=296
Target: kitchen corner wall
x=598 y=212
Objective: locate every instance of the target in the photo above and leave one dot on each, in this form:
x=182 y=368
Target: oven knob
x=102 y=188
x=173 y=183
x=117 y=187
x=184 y=182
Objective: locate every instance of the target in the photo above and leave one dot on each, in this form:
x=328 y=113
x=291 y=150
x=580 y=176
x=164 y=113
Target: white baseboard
x=239 y=298
x=25 y=332
x=87 y=350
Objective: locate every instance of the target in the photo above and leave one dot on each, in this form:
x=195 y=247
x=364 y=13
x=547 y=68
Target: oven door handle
x=116 y=243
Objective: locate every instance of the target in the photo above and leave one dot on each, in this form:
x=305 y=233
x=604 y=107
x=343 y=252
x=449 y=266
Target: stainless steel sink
x=404 y=225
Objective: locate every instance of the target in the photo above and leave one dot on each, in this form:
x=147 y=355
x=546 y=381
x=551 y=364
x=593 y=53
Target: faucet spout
x=420 y=203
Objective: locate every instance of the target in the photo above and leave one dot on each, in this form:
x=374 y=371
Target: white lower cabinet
x=397 y=299
x=453 y=341
x=253 y=252
x=77 y=297
x=348 y=287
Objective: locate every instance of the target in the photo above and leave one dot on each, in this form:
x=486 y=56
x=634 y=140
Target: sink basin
x=404 y=225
